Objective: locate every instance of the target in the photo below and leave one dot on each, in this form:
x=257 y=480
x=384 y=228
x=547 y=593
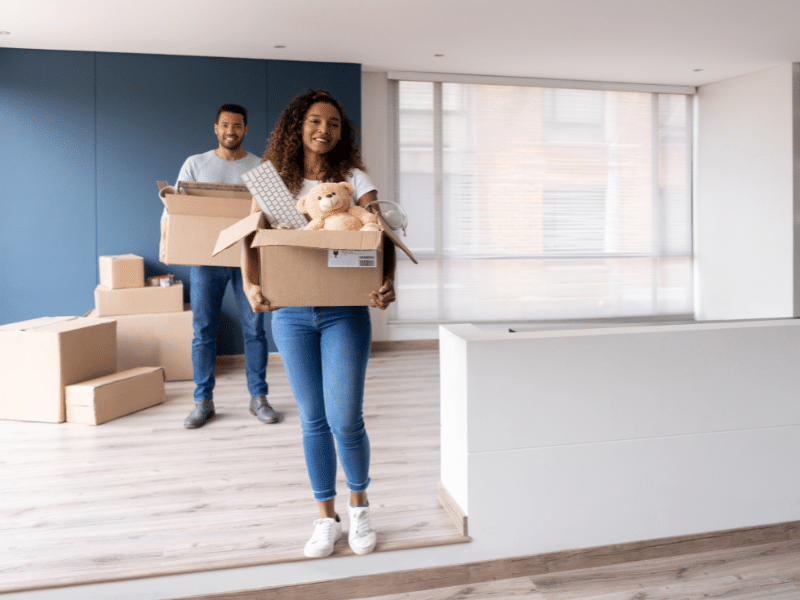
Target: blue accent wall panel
x=47 y=184
x=152 y=113
x=84 y=137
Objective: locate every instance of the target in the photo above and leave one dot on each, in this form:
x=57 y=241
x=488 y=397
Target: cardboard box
x=38 y=358
x=195 y=219
x=122 y=271
x=138 y=301
x=99 y=400
x=315 y=268
x=154 y=340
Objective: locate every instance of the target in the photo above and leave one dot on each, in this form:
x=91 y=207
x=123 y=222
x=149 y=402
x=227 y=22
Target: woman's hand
x=250 y=269
x=384 y=296
x=256 y=299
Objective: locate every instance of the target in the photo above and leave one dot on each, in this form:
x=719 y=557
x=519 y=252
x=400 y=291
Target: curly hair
x=285 y=145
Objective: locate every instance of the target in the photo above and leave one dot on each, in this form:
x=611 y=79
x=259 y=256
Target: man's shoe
x=202 y=412
x=263 y=411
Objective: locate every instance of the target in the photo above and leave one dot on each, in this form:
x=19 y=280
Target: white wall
x=375 y=116
x=375 y=151
x=746 y=198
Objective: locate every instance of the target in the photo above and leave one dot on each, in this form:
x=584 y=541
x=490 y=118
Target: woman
x=325 y=349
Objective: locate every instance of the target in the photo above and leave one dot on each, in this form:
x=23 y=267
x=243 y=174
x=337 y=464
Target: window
x=537 y=203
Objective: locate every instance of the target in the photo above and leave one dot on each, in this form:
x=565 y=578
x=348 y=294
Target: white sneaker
x=326 y=532
x=362 y=536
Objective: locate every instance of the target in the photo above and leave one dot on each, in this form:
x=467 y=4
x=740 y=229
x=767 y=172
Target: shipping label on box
x=122 y=271
x=38 y=358
x=195 y=220
x=100 y=400
x=135 y=301
x=364 y=259
x=151 y=340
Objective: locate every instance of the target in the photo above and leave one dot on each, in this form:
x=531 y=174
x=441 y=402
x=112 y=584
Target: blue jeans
x=206 y=292
x=325 y=352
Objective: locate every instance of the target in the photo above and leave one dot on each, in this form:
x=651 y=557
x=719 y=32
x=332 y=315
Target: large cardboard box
x=38 y=358
x=315 y=268
x=195 y=219
x=137 y=301
x=99 y=400
x=122 y=271
x=154 y=340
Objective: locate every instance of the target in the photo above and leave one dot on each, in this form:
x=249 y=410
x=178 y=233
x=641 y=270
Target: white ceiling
x=632 y=41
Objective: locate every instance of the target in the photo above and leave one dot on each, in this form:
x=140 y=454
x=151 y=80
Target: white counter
x=563 y=439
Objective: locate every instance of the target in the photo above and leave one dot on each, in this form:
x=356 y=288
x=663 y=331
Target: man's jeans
x=325 y=352
x=206 y=292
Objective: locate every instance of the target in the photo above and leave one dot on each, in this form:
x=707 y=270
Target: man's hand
x=384 y=296
x=256 y=299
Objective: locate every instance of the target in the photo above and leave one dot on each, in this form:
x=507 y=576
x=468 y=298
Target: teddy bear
x=329 y=206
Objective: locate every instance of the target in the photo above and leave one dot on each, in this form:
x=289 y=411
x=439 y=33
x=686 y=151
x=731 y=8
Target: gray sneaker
x=202 y=412
x=263 y=411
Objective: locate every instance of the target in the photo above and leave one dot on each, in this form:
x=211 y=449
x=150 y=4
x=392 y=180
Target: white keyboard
x=274 y=198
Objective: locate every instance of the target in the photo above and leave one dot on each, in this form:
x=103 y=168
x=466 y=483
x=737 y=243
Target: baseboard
x=237 y=360
x=403 y=582
x=452 y=508
x=405 y=345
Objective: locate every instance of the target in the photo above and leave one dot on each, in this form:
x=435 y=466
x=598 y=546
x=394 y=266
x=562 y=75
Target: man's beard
x=236 y=145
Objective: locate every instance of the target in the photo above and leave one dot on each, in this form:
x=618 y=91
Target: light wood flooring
x=142 y=496
x=763 y=572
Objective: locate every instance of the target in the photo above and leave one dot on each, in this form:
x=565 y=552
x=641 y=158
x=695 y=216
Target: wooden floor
x=142 y=496
x=764 y=572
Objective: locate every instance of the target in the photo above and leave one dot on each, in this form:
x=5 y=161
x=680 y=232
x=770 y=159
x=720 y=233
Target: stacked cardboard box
x=99 y=400
x=122 y=290
x=157 y=339
x=40 y=357
x=94 y=369
x=154 y=327
x=54 y=369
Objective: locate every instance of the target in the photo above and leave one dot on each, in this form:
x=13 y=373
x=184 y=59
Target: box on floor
x=152 y=340
x=38 y=358
x=196 y=213
x=137 y=301
x=100 y=400
x=316 y=268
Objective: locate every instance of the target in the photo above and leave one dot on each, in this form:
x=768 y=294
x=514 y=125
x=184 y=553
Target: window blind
x=536 y=203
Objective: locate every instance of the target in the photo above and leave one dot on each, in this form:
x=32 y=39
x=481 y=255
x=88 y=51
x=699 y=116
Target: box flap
x=113 y=257
x=216 y=190
x=35 y=323
x=395 y=239
x=238 y=231
x=207 y=206
x=325 y=240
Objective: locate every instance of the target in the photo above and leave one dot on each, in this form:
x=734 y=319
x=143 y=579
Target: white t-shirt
x=360 y=181
x=210 y=168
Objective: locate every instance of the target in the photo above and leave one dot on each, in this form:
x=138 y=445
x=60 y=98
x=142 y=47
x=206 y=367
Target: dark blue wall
x=84 y=137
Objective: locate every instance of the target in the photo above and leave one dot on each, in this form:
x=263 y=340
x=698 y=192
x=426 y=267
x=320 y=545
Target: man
x=226 y=164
